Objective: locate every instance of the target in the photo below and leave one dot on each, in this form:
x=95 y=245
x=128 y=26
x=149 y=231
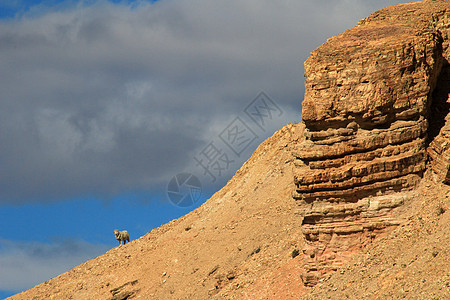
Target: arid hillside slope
x=359 y=190
x=241 y=236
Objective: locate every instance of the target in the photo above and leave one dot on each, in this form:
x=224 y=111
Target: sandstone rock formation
x=412 y=262
x=375 y=110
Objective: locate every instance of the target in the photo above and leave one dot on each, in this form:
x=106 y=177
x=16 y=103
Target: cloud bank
x=26 y=264
x=105 y=98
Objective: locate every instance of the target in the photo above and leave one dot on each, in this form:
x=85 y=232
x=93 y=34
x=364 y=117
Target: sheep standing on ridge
x=122 y=236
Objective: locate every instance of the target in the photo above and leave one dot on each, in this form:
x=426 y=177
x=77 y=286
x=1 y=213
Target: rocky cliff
x=360 y=186
x=375 y=111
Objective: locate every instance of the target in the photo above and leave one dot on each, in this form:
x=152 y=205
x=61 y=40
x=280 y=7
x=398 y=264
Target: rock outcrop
x=375 y=112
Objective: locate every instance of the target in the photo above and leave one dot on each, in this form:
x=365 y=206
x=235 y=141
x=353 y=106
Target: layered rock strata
x=375 y=112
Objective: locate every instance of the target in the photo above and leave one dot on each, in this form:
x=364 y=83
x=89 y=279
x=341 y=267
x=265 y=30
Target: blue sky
x=104 y=102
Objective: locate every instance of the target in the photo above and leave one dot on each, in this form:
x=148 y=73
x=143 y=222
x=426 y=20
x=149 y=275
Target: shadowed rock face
x=375 y=110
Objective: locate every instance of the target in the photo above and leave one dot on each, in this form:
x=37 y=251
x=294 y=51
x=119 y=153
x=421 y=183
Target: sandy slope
x=239 y=243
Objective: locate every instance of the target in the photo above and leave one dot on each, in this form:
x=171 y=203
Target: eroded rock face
x=375 y=110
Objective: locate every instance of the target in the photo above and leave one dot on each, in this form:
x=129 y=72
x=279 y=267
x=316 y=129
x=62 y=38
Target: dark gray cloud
x=25 y=264
x=104 y=98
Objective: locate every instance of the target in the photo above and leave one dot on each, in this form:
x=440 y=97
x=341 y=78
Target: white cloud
x=105 y=97
x=26 y=264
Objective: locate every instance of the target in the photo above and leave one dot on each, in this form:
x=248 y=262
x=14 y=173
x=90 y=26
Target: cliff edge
x=375 y=111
